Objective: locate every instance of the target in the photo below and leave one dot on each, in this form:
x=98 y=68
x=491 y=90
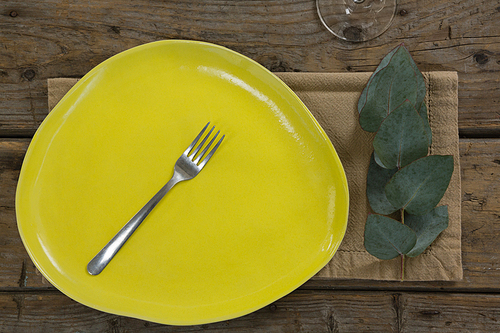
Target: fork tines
x=192 y=151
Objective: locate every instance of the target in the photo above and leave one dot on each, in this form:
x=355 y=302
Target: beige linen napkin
x=332 y=99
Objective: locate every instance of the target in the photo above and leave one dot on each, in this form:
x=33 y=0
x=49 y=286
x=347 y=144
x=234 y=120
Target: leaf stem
x=402 y=267
x=402 y=256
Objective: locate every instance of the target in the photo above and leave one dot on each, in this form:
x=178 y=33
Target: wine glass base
x=356 y=20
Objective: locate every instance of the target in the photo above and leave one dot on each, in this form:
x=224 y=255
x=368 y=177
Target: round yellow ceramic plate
x=266 y=213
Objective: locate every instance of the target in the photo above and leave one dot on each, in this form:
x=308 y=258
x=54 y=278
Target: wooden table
x=48 y=38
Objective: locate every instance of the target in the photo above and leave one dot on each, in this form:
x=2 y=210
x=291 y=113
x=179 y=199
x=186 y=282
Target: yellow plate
x=266 y=214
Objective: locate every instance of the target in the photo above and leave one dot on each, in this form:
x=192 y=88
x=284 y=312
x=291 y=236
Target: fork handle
x=102 y=259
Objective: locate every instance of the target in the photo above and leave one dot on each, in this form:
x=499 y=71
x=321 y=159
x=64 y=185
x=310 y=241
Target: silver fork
x=187 y=167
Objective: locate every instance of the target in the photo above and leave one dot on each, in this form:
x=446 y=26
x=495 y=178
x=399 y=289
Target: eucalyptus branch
x=401 y=174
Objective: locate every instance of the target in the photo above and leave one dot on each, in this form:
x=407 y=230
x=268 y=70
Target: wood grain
x=52 y=38
x=480 y=168
x=301 y=311
x=298 y=312
x=438 y=312
x=48 y=38
x=13 y=258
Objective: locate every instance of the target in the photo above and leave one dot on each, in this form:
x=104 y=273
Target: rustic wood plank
x=298 y=312
x=13 y=260
x=301 y=311
x=480 y=168
x=481 y=209
x=49 y=38
x=440 y=312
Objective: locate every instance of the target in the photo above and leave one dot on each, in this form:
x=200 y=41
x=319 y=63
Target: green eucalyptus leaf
x=427 y=227
x=420 y=185
x=401 y=139
x=422 y=111
x=382 y=65
x=388 y=89
x=375 y=187
x=378 y=161
x=376 y=109
x=420 y=101
x=421 y=87
x=386 y=238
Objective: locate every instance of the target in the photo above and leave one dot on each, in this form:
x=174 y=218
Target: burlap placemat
x=332 y=98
